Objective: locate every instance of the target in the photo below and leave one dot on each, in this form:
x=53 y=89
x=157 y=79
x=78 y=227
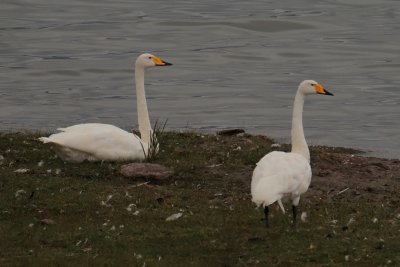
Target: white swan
x=105 y=142
x=279 y=174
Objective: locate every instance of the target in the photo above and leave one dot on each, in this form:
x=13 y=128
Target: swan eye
x=313 y=84
x=149 y=57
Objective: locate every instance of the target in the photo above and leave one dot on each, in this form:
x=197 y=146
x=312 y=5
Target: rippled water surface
x=236 y=64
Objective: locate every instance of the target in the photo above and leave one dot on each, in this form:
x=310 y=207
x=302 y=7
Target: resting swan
x=279 y=174
x=105 y=142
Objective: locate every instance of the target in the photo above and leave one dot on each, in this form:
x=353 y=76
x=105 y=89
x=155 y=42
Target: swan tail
x=44 y=139
x=281 y=206
x=48 y=140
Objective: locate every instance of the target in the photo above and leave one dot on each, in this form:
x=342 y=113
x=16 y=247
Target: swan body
x=280 y=174
x=292 y=171
x=105 y=142
x=96 y=142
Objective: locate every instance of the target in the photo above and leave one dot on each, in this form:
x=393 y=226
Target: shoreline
x=358 y=151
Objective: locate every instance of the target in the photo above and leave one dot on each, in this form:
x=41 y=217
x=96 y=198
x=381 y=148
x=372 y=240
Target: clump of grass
x=156 y=136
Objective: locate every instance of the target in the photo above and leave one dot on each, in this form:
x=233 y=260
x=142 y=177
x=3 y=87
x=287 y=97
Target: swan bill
x=328 y=93
x=166 y=64
x=321 y=90
x=158 y=62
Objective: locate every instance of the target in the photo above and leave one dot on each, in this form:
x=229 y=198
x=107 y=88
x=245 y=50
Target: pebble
x=22 y=170
x=174 y=217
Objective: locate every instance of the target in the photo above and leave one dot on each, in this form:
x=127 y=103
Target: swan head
x=149 y=60
x=309 y=87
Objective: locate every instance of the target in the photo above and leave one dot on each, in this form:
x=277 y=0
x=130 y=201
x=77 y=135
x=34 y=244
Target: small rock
x=214 y=165
x=148 y=170
x=20 y=192
x=40 y=163
x=230 y=132
x=174 y=217
x=22 y=170
x=129 y=208
x=303 y=216
x=276 y=145
x=375 y=220
x=87 y=249
x=47 y=221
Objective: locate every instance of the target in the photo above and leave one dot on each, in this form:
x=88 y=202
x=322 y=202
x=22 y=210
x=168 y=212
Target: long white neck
x=143 y=114
x=299 y=144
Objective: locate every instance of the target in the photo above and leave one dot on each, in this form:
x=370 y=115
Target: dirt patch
x=339 y=175
x=351 y=177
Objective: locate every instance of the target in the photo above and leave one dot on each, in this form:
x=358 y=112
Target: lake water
x=236 y=64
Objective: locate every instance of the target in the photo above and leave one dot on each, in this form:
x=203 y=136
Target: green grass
x=219 y=227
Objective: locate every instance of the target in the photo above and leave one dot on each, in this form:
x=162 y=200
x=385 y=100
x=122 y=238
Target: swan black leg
x=294 y=210
x=266 y=210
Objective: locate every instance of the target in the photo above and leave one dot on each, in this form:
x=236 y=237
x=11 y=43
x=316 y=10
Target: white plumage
x=105 y=142
x=95 y=142
x=279 y=174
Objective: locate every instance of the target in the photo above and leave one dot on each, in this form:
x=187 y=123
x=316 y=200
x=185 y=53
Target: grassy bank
x=61 y=214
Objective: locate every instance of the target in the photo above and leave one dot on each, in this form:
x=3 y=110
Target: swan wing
x=101 y=141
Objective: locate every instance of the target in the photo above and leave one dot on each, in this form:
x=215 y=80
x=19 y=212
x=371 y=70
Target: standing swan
x=98 y=142
x=279 y=174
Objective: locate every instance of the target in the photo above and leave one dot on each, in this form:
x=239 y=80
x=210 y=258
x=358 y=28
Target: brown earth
x=352 y=177
x=341 y=174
